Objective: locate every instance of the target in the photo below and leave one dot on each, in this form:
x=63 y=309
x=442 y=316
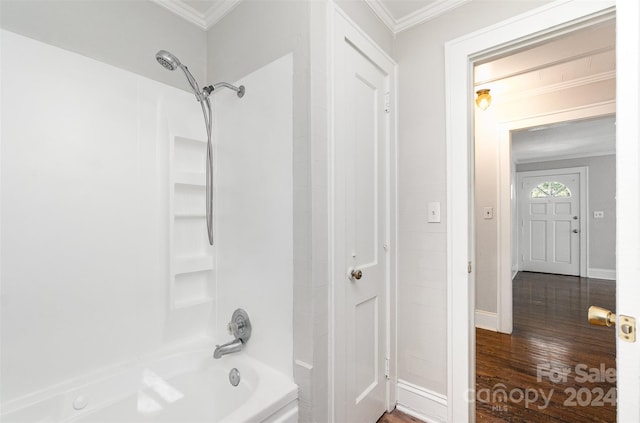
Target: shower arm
x=211 y=88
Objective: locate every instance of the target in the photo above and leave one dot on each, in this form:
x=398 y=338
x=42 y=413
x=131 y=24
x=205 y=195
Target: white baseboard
x=486 y=320
x=421 y=403
x=514 y=272
x=609 y=274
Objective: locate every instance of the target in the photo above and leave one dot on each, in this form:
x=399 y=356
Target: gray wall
x=602 y=197
x=369 y=22
x=124 y=33
x=422 y=287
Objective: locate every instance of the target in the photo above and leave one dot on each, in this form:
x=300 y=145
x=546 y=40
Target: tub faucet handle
x=232 y=328
x=236 y=327
x=240 y=325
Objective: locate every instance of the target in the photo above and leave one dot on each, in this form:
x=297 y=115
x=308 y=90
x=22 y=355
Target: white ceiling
x=397 y=15
x=567 y=140
x=582 y=59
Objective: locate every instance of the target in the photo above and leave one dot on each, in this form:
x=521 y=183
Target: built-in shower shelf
x=193 y=264
x=192 y=270
x=189 y=178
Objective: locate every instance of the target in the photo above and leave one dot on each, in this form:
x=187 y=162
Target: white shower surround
x=254 y=209
x=85 y=239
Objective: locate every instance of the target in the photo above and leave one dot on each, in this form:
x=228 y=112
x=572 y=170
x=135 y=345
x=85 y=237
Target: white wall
x=419 y=52
x=254 y=211
x=123 y=33
x=85 y=157
x=486 y=195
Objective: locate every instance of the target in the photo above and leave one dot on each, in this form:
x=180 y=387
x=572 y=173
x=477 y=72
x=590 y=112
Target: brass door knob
x=355 y=274
x=601 y=316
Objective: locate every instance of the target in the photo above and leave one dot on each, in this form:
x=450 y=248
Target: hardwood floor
x=398 y=417
x=554 y=367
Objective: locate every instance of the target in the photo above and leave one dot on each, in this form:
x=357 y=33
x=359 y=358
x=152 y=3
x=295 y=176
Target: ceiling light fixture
x=483 y=100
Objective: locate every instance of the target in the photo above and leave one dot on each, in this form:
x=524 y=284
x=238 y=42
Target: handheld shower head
x=171 y=62
x=168 y=60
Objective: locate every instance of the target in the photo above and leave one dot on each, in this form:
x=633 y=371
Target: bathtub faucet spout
x=240 y=328
x=228 y=348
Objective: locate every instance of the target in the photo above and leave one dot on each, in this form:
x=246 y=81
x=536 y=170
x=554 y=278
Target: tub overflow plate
x=234 y=377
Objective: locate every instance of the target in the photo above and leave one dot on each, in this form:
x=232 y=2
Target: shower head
x=168 y=60
x=171 y=62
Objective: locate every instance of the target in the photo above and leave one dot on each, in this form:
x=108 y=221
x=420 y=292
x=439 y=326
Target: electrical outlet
x=598 y=214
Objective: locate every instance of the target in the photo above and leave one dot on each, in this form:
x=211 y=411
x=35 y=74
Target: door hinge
x=386 y=368
x=387 y=103
x=469 y=267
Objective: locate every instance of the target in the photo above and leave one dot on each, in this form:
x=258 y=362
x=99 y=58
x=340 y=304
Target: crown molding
x=222 y=7
x=419 y=16
x=548 y=89
x=184 y=11
x=202 y=20
x=218 y=11
x=383 y=14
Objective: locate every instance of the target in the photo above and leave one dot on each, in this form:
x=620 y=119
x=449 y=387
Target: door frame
x=583 y=173
x=460 y=54
x=351 y=32
x=505 y=239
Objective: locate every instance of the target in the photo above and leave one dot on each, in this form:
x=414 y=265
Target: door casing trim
x=504 y=259
x=533 y=26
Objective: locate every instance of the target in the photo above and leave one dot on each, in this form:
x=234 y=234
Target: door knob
x=601 y=316
x=575 y=231
x=355 y=274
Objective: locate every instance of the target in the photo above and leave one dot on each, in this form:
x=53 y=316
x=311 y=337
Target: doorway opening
x=531 y=191
x=507 y=36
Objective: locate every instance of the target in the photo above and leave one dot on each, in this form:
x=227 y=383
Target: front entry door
x=362 y=137
x=550 y=223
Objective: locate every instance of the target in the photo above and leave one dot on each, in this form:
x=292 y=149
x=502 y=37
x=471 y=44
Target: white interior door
x=628 y=202
x=362 y=227
x=550 y=222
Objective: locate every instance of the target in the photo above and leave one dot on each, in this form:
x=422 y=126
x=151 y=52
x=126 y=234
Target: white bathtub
x=187 y=387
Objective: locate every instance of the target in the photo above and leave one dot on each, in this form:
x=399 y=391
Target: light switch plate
x=433 y=212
